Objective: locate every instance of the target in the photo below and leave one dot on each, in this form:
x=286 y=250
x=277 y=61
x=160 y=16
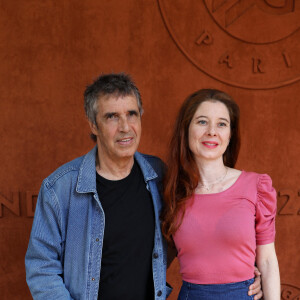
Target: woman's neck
x=211 y=171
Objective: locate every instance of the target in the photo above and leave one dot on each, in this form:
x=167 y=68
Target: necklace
x=208 y=186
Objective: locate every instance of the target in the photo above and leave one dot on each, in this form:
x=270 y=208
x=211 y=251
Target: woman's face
x=209 y=131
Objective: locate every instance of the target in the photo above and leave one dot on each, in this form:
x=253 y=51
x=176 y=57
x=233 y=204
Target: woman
x=221 y=219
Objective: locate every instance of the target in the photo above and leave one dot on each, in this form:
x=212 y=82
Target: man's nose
x=123 y=124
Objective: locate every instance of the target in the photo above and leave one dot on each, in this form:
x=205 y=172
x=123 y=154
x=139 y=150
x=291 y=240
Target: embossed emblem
x=251 y=44
x=289 y=292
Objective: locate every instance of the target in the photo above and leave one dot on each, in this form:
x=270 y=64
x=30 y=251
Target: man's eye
x=133 y=113
x=111 y=116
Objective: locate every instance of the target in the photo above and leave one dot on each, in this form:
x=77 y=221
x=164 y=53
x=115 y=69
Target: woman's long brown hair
x=182 y=174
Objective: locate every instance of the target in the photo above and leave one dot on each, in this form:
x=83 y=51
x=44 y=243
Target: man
x=96 y=231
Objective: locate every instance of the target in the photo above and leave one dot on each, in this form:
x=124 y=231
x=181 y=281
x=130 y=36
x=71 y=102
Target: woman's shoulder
x=255 y=183
x=259 y=178
x=244 y=180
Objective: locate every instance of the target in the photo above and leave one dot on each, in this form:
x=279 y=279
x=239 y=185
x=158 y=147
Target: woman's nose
x=211 y=130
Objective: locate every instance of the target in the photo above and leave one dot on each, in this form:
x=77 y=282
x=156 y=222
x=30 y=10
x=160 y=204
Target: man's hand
x=255 y=288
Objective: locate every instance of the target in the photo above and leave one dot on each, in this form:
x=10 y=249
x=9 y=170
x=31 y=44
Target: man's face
x=118 y=127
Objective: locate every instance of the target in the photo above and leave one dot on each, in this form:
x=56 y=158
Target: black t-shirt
x=126 y=265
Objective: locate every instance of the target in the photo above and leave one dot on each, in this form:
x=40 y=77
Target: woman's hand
x=255 y=288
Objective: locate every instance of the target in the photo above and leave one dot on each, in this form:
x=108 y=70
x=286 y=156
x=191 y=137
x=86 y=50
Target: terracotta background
x=50 y=50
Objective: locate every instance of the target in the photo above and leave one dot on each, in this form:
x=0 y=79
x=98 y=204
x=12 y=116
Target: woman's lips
x=210 y=144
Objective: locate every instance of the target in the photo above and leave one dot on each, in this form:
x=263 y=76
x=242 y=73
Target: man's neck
x=114 y=169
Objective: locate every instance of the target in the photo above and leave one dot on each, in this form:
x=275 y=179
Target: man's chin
x=126 y=153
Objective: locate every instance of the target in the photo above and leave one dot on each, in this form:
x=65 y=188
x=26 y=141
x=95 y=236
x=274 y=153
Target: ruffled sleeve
x=265 y=211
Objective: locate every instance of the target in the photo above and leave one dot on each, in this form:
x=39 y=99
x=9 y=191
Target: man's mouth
x=125 y=141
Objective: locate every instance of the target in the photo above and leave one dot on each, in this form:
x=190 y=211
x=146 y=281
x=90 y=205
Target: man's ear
x=94 y=128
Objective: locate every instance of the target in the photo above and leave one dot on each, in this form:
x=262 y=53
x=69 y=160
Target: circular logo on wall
x=290 y=292
x=251 y=44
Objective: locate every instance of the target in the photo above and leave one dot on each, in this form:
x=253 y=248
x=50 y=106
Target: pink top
x=217 y=239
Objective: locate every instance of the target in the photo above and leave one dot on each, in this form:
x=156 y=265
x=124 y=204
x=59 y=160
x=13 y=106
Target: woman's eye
x=222 y=124
x=202 y=122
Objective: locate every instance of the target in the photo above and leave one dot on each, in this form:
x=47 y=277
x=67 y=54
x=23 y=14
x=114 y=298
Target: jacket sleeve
x=44 y=257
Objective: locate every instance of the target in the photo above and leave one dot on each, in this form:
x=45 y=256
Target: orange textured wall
x=50 y=50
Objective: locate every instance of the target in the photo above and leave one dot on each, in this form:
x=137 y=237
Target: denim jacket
x=63 y=259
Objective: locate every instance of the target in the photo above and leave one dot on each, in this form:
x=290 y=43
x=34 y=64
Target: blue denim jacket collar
x=86 y=178
x=86 y=182
x=147 y=170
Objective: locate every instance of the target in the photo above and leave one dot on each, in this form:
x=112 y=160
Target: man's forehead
x=115 y=97
x=115 y=102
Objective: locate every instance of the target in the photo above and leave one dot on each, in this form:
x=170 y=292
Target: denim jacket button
x=93 y=279
x=97 y=240
x=159 y=293
x=155 y=255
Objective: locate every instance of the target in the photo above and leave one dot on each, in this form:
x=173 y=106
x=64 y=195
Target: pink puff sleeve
x=265 y=211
